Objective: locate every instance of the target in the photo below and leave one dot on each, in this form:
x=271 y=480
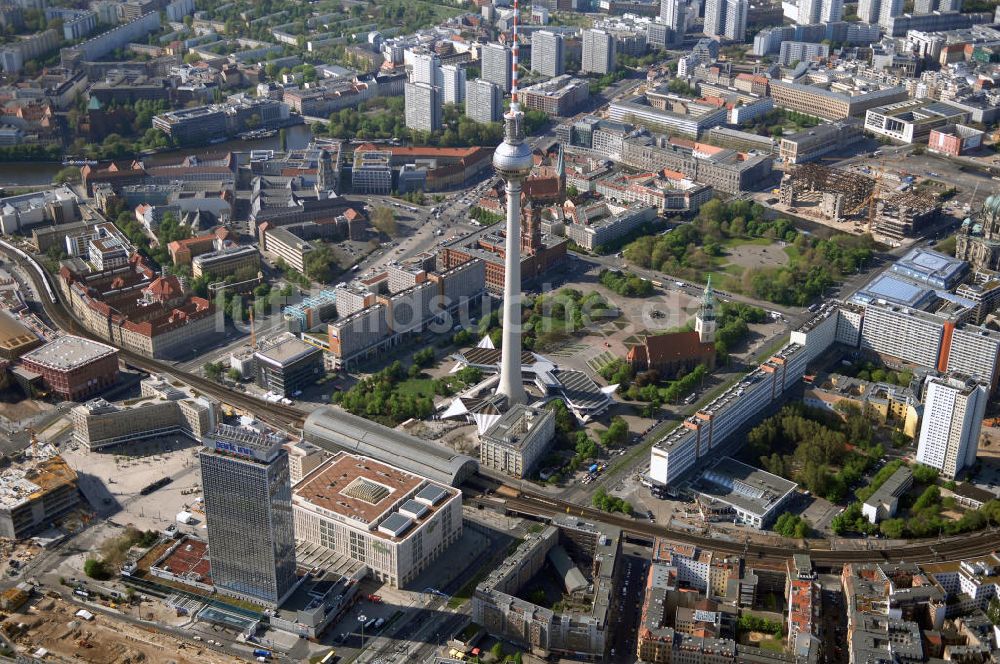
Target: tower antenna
x=513 y=63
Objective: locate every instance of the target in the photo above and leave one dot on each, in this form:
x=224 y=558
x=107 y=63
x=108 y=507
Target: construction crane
x=34 y=444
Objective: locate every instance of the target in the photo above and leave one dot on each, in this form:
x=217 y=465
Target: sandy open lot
x=53 y=625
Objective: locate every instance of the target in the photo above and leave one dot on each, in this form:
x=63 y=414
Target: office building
x=722 y=169
x=954 y=139
x=483 y=101
x=453 y=84
x=547 y=53
x=830 y=103
x=495 y=65
x=811 y=144
x=395 y=522
x=161 y=410
x=20 y=212
x=598 y=52
x=602 y=223
x=662 y=111
x=248 y=512
x=35 y=493
x=715 y=17
x=423 y=107
x=733 y=490
x=282 y=243
x=222 y=263
x=953 y=416
x=736 y=20
x=286 y=365
x=883 y=503
x=559 y=96
x=911 y=121
x=372 y=172
x=515 y=442
x=201 y=124
x=73 y=368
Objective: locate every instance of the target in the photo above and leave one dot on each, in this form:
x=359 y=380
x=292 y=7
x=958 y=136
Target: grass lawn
x=422 y=387
x=732 y=242
x=773 y=644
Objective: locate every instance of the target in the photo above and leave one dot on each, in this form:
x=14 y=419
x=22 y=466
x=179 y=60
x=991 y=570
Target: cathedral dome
x=992 y=205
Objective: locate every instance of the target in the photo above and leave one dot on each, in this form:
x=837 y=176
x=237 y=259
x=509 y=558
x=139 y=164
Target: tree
x=616 y=434
x=320 y=264
x=234 y=375
x=791 y=525
x=993 y=612
x=96 y=569
x=213 y=370
x=70 y=174
x=893 y=528
x=384 y=219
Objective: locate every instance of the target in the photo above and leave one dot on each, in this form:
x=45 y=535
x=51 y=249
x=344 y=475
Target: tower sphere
x=513 y=161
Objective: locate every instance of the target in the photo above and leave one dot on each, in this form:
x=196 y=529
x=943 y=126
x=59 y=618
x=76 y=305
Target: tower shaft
x=511 y=383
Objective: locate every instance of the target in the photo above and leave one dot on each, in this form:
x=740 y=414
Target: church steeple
x=704 y=322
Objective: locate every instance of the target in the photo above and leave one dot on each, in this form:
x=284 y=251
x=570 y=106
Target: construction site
x=53 y=628
x=858 y=203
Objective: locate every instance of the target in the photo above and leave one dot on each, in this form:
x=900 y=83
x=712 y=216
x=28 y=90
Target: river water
x=24 y=173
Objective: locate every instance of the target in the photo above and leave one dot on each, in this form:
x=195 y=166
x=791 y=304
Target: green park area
x=759 y=257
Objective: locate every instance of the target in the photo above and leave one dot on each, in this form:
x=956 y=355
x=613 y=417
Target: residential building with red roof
x=135 y=309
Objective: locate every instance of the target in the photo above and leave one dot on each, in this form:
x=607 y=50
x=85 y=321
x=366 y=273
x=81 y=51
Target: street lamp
x=362 y=619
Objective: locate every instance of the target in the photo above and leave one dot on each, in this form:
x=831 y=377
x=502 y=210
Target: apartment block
x=483 y=101
x=547 y=53
x=953 y=414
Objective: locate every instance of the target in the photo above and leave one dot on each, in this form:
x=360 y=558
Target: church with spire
x=675 y=354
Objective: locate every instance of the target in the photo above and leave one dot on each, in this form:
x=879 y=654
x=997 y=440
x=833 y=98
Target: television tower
x=512 y=161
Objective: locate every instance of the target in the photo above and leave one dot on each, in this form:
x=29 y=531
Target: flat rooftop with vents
x=68 y=352
x=754 y=496
x=395 y=522
x=370 y=492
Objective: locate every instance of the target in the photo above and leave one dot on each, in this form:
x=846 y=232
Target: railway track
x=531 y=503
x=271 y=413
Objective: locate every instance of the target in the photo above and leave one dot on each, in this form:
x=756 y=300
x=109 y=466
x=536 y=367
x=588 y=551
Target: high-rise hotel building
x=248 y=510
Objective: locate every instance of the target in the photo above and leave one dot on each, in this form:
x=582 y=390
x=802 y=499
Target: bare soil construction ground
x=52 y=624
